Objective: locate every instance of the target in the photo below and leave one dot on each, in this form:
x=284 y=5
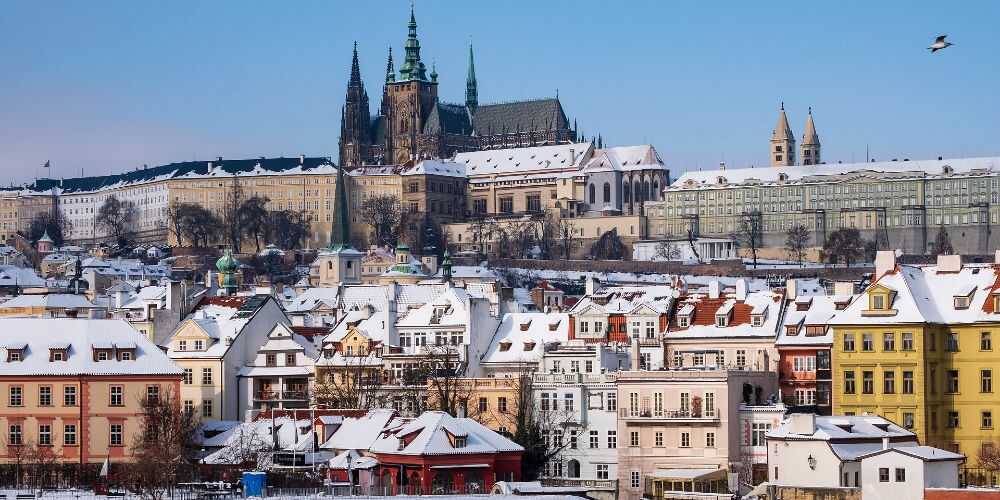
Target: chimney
x=949 y=263
x=722 y=165
x=885 y=261
x=302 y=159
x=843 y=288
x=593 y=284
x=635 y=355
x=885 y=443
x=572 y=156
x=791 y=289
x=802 y=423
x=996 y=257
x=741 y=289
x=211 y=166
x=714 y=289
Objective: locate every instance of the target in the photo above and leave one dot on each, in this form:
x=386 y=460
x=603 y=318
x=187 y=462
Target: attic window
x=504 y=346
x=553 y=326
x=791 y=330
x=525 y=325
x=683 y=321
x=757 y=320
x=961 y=302
x=460 y=441
x=529 y=346
x=58 y=354
x=721 y=320
x=15 y=355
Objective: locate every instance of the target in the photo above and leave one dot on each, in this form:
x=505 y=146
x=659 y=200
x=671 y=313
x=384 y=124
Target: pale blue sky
x=108 y=86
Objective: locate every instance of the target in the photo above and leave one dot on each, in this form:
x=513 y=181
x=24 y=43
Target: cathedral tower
x=809 y=150
x=355 y=119
x=782 y=142
x=411 y=98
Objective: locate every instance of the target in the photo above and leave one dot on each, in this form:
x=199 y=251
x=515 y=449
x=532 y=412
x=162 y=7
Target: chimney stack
x=885 y=261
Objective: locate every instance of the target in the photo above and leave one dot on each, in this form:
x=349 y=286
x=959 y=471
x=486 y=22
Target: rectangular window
x=633 y=438
x=188 y=377
x=502 y=404
x=867 y=344
x=907 y=420
x=16 y=396
x=117 y=397
x=483 y=405
x=206 y=376
x=685 y=403
x=69 y=434
x=45 y=395
x=612 y=439
x=45 y=435
x=658 y=439
x=507 y=205
x=594 y=439
x=849 y=342
x=741 y=358
x=986 y=419
x=206 y=408
x=986 y=380
x=907 y=341
x=900 y=475
x=188 y=407
x=710 y=440
x=953 y=421
x=883 y=474
x=69 y=395
x=199 y=345
x=115 y=435
x=907 y=382
x=953 y=381
x=14 y=436
x=985 y=341
x=290 y=359
x=849 y=383
x=888 y=341
x=867 y=382
x=634 y=479
x=153 y=393
x=685 y=440
x=953 y=342
x=889 y=382
x=709 y=404
x=757 y=436
x=602 y=471
x=569 y=402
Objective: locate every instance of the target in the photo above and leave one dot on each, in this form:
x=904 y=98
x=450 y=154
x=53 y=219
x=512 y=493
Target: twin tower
x=783 y=143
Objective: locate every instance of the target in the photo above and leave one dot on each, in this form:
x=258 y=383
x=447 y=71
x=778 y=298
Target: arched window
x=637 y=191
x=574 y=468
x=646 y=193
x=607 y=192
x=656 y=191
x=626 y=192
x=593 y=194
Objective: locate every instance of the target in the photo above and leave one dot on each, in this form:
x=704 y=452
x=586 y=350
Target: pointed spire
x=340 y=237
x=412 y=68
x=781 y=130
x=355 y=68
x=809 y=136
x=434 y=72
x=390 y=73
x=471 y=87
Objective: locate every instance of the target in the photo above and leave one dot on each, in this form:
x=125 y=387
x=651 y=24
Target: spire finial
x=782 y=105
x=810 y=110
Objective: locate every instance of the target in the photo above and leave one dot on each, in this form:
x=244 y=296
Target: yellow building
x=917 y=348
x=76 y=387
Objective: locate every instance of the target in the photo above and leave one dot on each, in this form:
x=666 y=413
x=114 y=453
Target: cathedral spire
x=471 y=89
x=390 y=73
x=340 y=237
x=355 y=68
x=412 y=68
x=355 y=118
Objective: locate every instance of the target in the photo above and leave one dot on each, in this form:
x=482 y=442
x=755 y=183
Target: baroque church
x=412 y=123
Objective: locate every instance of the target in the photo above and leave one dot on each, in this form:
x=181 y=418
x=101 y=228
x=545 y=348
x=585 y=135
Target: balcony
x=592 y=484
x=575 y=378
x=647 y=415
x=281 y=396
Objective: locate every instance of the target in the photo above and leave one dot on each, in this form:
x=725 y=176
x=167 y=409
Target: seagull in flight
x=939 y=44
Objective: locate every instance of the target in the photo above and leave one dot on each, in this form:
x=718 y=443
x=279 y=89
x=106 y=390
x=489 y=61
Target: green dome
x=227 y=263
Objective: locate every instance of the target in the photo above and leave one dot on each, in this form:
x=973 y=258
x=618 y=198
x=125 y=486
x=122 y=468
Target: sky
x=106 y=87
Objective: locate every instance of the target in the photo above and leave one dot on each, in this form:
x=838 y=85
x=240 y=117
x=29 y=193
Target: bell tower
x=809 y=150
x=782 y=142
x=411 y=98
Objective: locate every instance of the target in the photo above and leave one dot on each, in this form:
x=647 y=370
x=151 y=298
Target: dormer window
x=757 y=320
x=996 y=303
x=126 y=355
x=199 y=345
x=270 y=360
x=460 y=441
x=58 y=354
x=878 y=302
x=553 y=326
x=529 y=346
x=504 y=346
x=683 y=321
x=961 y=302
x=721 y=320
x=14 y=355
x=102 y=354
x=791 y=330
x=525 y=326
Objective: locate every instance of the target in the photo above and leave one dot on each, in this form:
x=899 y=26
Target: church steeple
x=412 y=68
x=471 y=89
x=782 y=142
x=355 y=119
x=340 y=237
x=390 y=73
x=810 y=148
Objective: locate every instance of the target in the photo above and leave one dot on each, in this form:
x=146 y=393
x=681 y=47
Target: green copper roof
x=412 y=68
x=340 y=237
x=471 y=88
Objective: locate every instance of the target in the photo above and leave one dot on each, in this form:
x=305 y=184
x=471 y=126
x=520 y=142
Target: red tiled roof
x=705 y=309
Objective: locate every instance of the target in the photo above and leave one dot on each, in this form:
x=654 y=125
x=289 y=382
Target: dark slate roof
x=449 y=119
x=378 y=130
x=181 y=169
x=539 y=114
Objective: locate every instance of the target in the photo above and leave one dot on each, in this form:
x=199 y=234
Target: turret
x=782 y=142
x=809 y=151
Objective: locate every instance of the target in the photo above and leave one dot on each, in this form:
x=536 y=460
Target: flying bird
x=939 y=44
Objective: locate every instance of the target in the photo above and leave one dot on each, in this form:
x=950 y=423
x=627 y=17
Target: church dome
x=227 y=263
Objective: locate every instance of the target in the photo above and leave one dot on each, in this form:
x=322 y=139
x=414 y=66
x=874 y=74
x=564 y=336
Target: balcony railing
x=648 y=414
x=596 y=484
x=281 y=396
x=575 y=378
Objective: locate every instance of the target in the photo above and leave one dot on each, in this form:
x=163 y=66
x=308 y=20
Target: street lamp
x=812 y=462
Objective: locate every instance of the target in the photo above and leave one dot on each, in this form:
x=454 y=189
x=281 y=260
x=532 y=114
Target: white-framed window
x=603 y=471
x=634 y=480
x=685 y=440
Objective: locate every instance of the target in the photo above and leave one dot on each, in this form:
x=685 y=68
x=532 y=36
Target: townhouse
x=76 y=386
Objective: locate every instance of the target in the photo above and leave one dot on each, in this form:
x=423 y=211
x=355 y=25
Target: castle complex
x=412 y=123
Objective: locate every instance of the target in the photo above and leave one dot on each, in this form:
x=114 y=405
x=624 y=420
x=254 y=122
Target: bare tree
x=566 y=231
x=117 y=218
x=989 y=456
x=231 y=216
x=608 y=247
x=288 y=228
x=383 y=212
x=252 y=215
x=446 y=387
x=750 y=233
x=484 y=230
x=52 y=222
x=164 y=448
x=354 y=382
x=796 y=242
x=41 y=467
x=666 y=250
x=942 y=243
x=247 y=449
x=843 y=245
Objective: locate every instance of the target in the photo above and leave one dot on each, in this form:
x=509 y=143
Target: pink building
x=679 y=430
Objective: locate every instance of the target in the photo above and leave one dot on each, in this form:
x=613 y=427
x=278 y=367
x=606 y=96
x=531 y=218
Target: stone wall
x=791 y=493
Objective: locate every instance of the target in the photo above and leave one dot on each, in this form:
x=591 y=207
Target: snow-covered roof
x=434 y=433
x=923 y=294
x=437 y=167
x=259 y=435
x=552 y=159
x=818 y=311
x=50 y=301
x=844 y=429
x=624 y=158
x=448 y=309
x=739 y=315
x=80 y=335
x=359 y=433
x=710 y=179
x=522 y=337
x=627 y=300
x=313 y=298
x=925 y=453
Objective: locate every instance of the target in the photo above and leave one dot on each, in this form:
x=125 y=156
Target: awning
x=689 y=474
x=465 y=466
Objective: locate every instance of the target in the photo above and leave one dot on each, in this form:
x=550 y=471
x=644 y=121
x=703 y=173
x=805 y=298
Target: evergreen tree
x=942 y=243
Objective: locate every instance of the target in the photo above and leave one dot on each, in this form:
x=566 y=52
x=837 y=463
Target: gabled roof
x=738 y=312
x=50 y=301
x=821 y=309
x=359 y=433
x=428 y=434
x=511 y=341
x=627 y=299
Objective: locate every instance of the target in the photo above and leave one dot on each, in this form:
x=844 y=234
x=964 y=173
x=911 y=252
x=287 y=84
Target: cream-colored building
x=77 y=387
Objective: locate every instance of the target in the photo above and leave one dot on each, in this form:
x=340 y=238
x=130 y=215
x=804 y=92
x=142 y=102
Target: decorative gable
x=880 y=300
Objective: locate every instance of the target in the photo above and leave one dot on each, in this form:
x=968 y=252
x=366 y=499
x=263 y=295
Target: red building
x=436 y=453
x=804 y=343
